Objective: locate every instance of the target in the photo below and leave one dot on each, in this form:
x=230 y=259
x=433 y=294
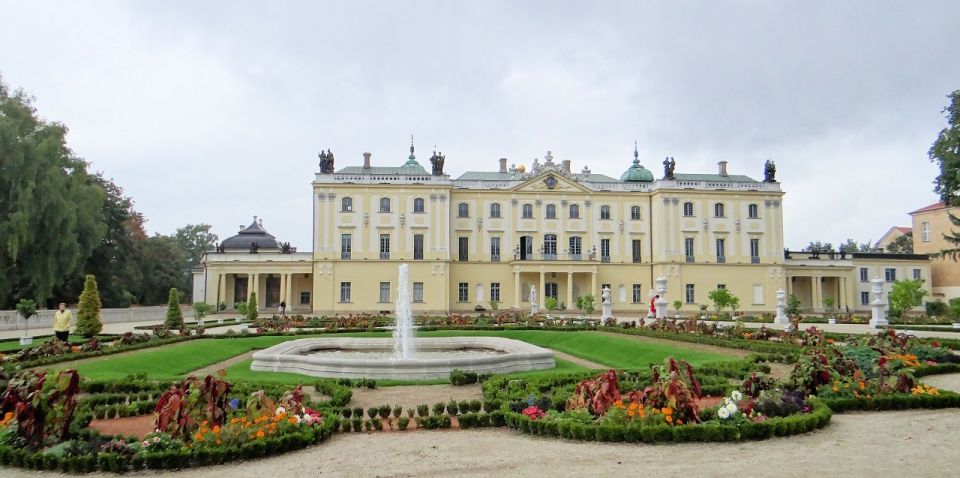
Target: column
x=255 y=287
x=593 y=286
x=516 y=289
x=541 y=293
x=290 y=291
x=818 y=293
x=283 y=288
x=842 y=294
x=221 y=291
x=570 y=302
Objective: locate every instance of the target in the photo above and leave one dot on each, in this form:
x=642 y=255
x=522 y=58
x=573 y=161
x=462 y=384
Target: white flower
x=281 y=410
x=731 y=408
x=736 y=396
x=723 y=413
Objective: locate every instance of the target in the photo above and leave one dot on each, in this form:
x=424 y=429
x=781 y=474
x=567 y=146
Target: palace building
x=490 y=236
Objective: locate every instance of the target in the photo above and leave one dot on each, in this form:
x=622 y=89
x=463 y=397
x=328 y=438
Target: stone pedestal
x=781 y=317
x=607 y=306
x=878 y=307
x=661 y=303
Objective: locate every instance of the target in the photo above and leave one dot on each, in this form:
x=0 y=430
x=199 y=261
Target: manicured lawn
x=177 y=360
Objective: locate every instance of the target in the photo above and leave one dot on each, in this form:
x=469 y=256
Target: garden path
x=903 y=443
x=212 y=369
x=947 y=381
x=409 y=396
x=579 y=361
x=686 y=345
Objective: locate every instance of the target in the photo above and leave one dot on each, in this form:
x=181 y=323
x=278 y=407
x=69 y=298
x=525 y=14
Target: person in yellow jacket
x=61 y=323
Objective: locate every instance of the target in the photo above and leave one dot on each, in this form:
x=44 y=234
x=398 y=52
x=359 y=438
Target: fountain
x=403 y=357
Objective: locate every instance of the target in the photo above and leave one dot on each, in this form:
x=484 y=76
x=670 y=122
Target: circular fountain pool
x=345 y=357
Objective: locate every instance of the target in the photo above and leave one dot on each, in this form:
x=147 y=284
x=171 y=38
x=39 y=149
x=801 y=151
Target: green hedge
x=896 y=401
x=68 y=357
x=708 y=432
x=760 y=346
x=110 y=462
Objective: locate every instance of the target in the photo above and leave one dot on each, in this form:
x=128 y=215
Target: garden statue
x=219 y=248
x=254 y=247
x=534 y=308
x=607 y=306
x=781 y=317
x=878 y=313
x=437 y=162
x=286 y=249
x=769 y=172
x=668 y=166
x=661 y=299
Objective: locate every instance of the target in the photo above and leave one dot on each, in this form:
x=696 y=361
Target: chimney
x=260 y=222
x=503 y=165
x=723 y=168
x=566 y=166
x=366 y=160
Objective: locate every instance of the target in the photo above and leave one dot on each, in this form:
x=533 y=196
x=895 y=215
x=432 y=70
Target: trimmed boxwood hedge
x=896 y=401
x=708 y=432
x=110 y=462
x=55 y=359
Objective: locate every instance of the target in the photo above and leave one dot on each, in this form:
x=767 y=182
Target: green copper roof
x=637 y=173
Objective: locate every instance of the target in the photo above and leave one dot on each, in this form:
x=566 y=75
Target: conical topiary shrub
x=174 y=314
x=88 y=313
x=252 y=306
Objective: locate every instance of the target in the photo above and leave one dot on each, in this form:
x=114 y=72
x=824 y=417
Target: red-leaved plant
x=180 y=408
x=43 y=409
x=675 y=388
x=597 y=395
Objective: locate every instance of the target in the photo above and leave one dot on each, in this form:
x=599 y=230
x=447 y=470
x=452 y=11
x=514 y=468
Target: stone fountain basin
x=350 y=357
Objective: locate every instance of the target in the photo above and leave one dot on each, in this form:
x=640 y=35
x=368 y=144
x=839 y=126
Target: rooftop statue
x=668 y=166
x=254 y=247
x=326 y=161
x=769 y=172
x=437 y=161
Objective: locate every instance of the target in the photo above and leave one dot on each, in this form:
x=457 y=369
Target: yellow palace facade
x=491 y=236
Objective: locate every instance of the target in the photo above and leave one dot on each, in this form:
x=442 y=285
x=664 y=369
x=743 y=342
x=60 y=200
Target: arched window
x=528 y=211
x=752 y=211
x=495 y=210
x=551 y=211
x=574 y=211
x=384 y=204
x=550 y=246
x=604 y=212
x=635 y=213
x=346 y=204
x=688 y=209
x=463 y=210
x=718 y=209
x=418 y=205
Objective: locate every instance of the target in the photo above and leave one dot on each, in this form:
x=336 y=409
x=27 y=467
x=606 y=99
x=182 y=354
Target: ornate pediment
x=550 y=181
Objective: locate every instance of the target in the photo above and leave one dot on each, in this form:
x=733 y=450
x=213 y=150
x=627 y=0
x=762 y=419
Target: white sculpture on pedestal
x=607 y=306
x=661 y=302
x=534 y=308
x=781 y=318
x=879 y=305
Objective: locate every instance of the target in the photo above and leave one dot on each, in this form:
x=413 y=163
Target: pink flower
x=533 y=412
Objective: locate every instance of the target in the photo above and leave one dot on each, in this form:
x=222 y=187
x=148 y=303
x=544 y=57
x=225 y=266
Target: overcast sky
x=215 y=111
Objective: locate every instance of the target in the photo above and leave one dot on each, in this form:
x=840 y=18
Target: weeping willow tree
x=50 y=219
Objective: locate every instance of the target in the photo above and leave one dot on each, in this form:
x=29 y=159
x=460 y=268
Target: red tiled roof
x=905 y=230
x=932 y=207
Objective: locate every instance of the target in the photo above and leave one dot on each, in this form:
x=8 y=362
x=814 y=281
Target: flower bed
x=53 y=351
x=198 y=422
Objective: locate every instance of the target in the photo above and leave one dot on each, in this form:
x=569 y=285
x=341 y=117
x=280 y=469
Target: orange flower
x=666 y=411
x=669 y=419
x=218 y=442
x=259 y=433
x=216 y=429
x=292 y=421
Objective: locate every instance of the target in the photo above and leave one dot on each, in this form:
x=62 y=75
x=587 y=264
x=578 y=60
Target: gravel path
x=579 y=361
x=909 y=443
x=413 y=395
x=949 y=381
x=212 y=369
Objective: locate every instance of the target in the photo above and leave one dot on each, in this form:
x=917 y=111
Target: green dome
x=412 y=163
x=637 y=173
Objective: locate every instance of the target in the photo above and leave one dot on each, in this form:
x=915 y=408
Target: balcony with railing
x=384 y=256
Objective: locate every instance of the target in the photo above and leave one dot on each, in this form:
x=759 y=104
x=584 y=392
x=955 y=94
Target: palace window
x=463 y=244
x=718 y=209
x=916 y=274
x=574 y=211
x=527 y=211
x=576 y=247
x=721 y=250
x=346 y=246
x=604 y=212
x=346 y=205
x=418 y=291
x=305 y=298
x=689 y=294
x=551 y=211
x=864 y=275
x=635 y=213
x=755 y=251
x=494 y=249
x=418 y=247
x=864 y=298
x=752 y=211
x=890 y=275
x=495 y=210
x=637 y=293
x=605 y=250
x=344 y=292
x=385 y=246
x=688 y=248
x=550 y=246
x=495 y=291
x=635 y=246
x=463 y=210
x=463 y=292
x=384 y=292
x=688 y=209
x=925 y=232
x=384 y=204
x=418 y=205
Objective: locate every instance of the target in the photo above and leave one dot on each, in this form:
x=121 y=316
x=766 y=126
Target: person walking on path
x=283 y=308
x=61 y=323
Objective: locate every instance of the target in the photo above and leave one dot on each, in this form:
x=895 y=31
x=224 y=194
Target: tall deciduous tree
x=88 y=312
x=853 y=246
x=945 y=151
x=905 y=295
x=194 y=240
x=162 y=264
x=817 y=246
x=50 y=206
x=902 y=244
